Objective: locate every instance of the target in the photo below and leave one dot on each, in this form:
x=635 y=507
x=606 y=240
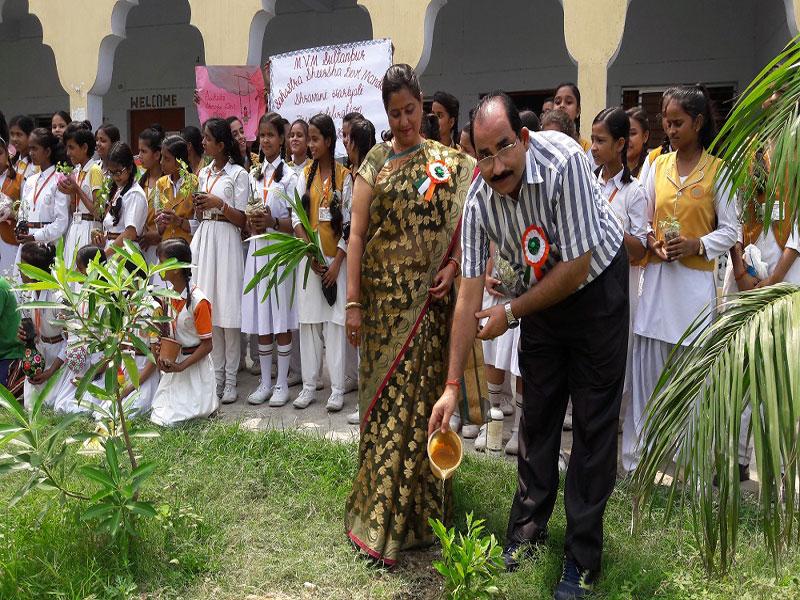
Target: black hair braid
x=312 y=171
x=187 y=277
x=665 y=145
x=626 y=171
x=336 y=198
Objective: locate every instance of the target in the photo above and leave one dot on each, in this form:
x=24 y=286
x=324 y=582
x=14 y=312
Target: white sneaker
x=455 y=422
x=512 y=447
x=470 y=431
x=335 y=402
x=507 y=405
x=260 y=395
x=480 y=441
x=280 y=396
x=350 y=385
x=354 y=418
x=305 y=398
x=293 y=379
x=230 y=395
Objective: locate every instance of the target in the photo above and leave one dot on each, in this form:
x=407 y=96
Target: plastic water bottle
x=494 y=431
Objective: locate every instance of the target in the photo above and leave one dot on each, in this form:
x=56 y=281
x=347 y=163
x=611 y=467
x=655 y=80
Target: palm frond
x=749 y=356
x=750 y=128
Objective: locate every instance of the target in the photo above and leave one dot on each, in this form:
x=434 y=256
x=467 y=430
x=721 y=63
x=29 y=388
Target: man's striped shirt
x=559 y=194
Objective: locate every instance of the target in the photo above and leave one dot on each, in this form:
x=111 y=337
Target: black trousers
x=575 y=349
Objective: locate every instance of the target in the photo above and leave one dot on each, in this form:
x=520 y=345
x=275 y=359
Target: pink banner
x=225 y=91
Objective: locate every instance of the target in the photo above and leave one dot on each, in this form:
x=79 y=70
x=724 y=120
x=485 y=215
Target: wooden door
x=171 y=119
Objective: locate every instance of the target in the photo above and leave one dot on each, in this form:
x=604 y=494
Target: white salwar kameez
x=322 y=325
x=189 y=394
x=629 y=205
x=278 y=313
x=217 y=252
x=41 y=202
x=501 y=352
x=79 y=233
x=132 y=214
x=673 y=295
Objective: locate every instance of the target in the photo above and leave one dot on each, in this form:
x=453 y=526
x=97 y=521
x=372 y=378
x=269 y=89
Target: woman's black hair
x=11 y=172
x=221 y=132
x=561 y=120
x=46 y=139
x=304 y=124
x=530 y=120
x=111 y=131
x=26 y=124
x=179 y=148
x=429 y=128
x=64 y=115
x=399 y=77
x=276 y=121
x=451 y=105
x=153 y=137
x=575 y=92
x=78 y=132
x=352 y=116
x=327 y=128
x=193 y=137
x=179 y=249
x=41 y=255
x=637 y=114
x=3 y=127
x=362 y=136
x=695 y=101
x=88 y=253
x=666 y=146
x=122 y=155
x=619 y=126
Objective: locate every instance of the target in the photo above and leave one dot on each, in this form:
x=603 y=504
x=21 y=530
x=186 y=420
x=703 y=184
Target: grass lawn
x=257 y=515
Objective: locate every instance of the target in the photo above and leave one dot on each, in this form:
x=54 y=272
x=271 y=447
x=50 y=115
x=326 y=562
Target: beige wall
x=233 y=33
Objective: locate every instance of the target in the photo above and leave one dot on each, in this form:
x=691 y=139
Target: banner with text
x=334 y=80
x=225 y=91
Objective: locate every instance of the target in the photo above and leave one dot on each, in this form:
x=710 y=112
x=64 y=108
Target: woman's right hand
x=352 y=325
x=318 y=268
x=98 y=239
x=257 y=222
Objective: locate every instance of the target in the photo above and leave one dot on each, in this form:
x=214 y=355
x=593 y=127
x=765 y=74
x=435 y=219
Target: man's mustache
x=500 y=176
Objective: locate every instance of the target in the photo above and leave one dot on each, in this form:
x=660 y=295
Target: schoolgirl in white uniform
x=610 y=131
x=678 y=281
x=20 y=128
x=126 y=212
x=224 y=187
x=81 y=186
x=150 y=141
x=321 y=187
x=50 y=340
x=187 y=387
x=275 y=316
x=43 y=207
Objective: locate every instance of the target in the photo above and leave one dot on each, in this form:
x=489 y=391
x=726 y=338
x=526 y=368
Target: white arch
x=105 y=62
x=258 y=26
x=431 y=12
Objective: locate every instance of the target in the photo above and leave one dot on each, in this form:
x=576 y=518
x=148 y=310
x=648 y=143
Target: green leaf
x=131 y=369
x=98 y=476
x=98 y=511
x=144 y=509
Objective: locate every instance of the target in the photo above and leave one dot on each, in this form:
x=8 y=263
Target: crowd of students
x=677 y=218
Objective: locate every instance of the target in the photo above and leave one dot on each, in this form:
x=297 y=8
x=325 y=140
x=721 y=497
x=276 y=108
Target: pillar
x=84 y=61
x=592 y=52
x=793 y=15
x=233 y=31
x=409 y=24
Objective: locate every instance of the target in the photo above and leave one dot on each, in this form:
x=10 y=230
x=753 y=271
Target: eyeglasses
x=487 y=162
x=117 y=172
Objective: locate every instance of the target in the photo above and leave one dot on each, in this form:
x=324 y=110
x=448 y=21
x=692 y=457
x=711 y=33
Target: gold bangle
x=350 y=305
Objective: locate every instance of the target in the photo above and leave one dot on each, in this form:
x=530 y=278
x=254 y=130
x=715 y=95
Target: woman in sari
x=402 y=258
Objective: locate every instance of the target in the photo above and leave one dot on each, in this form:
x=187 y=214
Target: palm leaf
x=747 y=357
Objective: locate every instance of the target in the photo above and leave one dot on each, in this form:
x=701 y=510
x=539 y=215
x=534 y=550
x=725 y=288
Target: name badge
x=324 y=214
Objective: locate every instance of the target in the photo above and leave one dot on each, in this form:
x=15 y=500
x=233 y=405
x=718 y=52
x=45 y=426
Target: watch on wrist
x=510 y=318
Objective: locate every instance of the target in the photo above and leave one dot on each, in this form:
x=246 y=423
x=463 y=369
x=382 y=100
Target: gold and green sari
x=411 y=233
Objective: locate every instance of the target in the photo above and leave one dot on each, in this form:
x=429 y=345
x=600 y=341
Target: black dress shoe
x=744 y=475
x=518 y=550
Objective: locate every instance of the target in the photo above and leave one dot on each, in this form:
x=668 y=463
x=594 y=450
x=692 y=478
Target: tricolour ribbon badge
x=535 y=249
x=438 y=174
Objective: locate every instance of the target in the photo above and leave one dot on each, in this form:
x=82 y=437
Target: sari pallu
x=404 y=349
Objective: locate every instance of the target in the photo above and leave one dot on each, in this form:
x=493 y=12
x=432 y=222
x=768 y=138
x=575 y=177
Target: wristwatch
x=510 y=318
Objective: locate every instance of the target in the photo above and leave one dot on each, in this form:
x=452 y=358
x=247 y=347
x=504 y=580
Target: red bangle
x=454 y=382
